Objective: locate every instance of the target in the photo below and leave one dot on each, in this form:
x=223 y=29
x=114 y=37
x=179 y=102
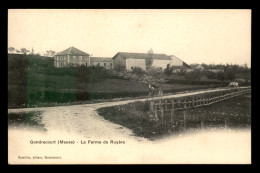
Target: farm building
x=107 y=63
x=71 y=57
x=216 y=70
x=131 y=60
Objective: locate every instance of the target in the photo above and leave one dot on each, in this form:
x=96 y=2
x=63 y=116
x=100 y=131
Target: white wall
x=160 y=63
x=135 y=63
x=176 y=61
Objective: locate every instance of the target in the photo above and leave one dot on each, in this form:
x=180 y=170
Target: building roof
x=184 y=63
x=101 y=59
x=143 y=56
x=73 y=51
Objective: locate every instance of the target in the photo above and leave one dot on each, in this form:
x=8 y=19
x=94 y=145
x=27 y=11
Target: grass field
x=25 y=120
x=42 y=86
x=135 y=116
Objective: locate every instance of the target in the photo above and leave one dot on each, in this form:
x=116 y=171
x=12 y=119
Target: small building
x=199 y=67
x=71 y=57
x=216 y=70
x=107 y=63
x=131 y=60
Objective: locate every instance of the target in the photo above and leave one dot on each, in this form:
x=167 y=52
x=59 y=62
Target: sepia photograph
x=129 y=86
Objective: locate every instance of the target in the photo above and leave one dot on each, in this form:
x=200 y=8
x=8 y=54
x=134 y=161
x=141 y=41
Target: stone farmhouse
x=71 y=57
x=75 y=57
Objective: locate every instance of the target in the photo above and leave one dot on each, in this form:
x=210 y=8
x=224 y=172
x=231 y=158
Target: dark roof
x=103 y=59
x=144 y=56
x=73 y=51
x=186 y=65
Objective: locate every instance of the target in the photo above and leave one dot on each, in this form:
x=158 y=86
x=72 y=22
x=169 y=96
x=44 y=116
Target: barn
x=105 y=62
x=71 y=57
x=131 y=60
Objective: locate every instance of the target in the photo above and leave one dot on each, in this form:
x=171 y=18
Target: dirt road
x=81 y=122
x=83 y=119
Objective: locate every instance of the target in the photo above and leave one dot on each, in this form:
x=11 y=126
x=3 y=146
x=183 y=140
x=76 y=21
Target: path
x=83 y=119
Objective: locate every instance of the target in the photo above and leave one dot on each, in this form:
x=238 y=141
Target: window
x=86 y=64
x=111 y=64
x=80 y=58
x=132 y=68
x=98 y=64
x=61 y=64
x=105 y=64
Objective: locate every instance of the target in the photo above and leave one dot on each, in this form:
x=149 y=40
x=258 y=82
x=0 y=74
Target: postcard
x=129 y=86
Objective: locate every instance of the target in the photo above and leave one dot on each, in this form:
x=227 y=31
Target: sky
x=195 y=36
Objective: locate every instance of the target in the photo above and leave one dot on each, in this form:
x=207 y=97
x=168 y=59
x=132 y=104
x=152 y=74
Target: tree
x=193 y=75
x=119 y=68
x=168 y=70
x=50 y=53
x=137 y=71
x=221 y=76
x=24 y=50
x=11 y=49
x=149 y=60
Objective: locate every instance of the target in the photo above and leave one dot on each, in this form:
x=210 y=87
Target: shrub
x=138 y=71
x=168 y=70
x=119 y=68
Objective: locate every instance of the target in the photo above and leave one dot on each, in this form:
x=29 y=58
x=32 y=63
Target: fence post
x=184 y=117
x=172 y=114
x=165 y=118
x=151 y=107
x=225 y=123
x=161 y=108
x=202 y=121
x=155 y=113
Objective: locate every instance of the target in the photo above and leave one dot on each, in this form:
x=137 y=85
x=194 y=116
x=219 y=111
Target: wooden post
x=162 y=115
x=172 y=114
x=184 y=117
x=202 y=121
x=165 y=118
x=155 y=114
x=151 y=107
x=193 y=102
x=225 y=123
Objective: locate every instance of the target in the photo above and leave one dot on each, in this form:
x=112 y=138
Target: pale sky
x=195 y=36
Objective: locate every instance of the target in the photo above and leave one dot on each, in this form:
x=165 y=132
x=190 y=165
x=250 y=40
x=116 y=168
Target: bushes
x=138 y=71
x=168 y=70
x=193 y=75
x=119 y=68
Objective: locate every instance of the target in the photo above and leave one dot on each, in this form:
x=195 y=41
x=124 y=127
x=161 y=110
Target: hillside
x=33 y=81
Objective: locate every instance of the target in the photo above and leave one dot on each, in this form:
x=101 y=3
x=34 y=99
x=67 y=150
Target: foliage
x=50 y=53
x=154 y=71
x=193 y=75
x=149 y=60
x=168 y=70
x=24 y=50
x=119 y=68
x=138 y=71
x=11 y=49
